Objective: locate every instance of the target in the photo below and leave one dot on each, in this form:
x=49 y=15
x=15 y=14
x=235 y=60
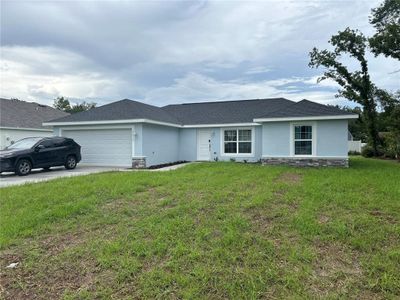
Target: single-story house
x=128 y=133
x=20 y=119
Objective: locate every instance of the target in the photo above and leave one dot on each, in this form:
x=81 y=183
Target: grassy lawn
x=210 y=230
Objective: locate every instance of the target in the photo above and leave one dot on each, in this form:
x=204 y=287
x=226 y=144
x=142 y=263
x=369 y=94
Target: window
x=47 y=143
x=26 y=143
x=59 y=142
x=302 y=140
x=237 y=141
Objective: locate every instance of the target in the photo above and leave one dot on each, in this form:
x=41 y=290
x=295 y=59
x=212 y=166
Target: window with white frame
x=303 y=140
x=237 y=141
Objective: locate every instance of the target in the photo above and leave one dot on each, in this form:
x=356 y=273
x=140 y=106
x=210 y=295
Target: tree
x=82 y=107
x=390 y=121
x=356 y=126
x=62 y=103
x=386 y=20
x=355 y=86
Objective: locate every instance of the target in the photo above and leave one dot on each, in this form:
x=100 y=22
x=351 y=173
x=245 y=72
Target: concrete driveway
x=8 y=179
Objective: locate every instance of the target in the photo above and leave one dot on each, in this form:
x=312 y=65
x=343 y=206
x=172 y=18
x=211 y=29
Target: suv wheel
x=24 y=167
x=70 y=163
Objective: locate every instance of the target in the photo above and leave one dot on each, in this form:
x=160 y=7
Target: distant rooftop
x=22 y=114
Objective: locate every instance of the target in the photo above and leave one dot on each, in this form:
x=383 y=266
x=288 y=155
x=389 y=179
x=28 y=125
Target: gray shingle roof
x=122 y=110
x=21 y=114
x=240 y=111
x=306 y=108
x=222 y=112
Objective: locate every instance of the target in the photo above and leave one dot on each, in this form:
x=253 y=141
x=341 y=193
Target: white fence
x=356 y=146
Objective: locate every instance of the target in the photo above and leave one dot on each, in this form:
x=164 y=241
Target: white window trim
x=222 y=142
x=313 y=140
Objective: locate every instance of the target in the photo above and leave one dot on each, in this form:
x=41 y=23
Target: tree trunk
x=370 y=117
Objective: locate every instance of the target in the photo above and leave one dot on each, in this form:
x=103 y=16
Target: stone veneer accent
x=138 y=162
x=306 y=162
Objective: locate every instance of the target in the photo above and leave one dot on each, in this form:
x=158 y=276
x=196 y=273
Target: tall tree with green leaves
x=355 y=85
x=386 y=20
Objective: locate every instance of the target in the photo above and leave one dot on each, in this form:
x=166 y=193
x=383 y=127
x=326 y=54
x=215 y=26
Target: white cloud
x=196 y=87
x=160 y=51
x=257 y=70
x=63 y=73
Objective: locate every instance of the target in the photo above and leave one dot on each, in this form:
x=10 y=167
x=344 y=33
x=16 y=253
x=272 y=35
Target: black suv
x=38 y=152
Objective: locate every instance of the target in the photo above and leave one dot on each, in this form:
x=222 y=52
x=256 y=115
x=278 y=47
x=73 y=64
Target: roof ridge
x=228 y=101
x=286 y=107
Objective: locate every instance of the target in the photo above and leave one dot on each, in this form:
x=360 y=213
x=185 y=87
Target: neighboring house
x=128 y=133
x=20 y=119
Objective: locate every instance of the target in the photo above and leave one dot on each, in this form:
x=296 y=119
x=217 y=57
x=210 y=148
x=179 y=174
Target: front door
x=204 y=144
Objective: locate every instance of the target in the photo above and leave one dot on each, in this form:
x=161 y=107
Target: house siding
x=157 y=144
x=188 y=144
x=9 y=136
x=160 y=144
x=217 y=151
x=332 y=138
x=276 y=139
x=330 y=144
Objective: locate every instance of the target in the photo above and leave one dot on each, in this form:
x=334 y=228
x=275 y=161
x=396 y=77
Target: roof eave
x=308 y=118
x=110 y=122
x=26 y=128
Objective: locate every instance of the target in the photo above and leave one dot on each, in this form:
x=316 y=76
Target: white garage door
x=105 y=147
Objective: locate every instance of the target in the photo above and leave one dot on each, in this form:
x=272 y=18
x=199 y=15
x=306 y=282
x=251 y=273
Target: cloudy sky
x=169 y=52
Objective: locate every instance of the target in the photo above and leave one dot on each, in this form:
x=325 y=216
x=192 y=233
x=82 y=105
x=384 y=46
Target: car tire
x=23 y=167
x=71 y=162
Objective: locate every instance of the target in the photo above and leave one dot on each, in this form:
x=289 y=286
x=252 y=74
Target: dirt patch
x=383 y=216
x=334 y=269
x=54 y=245
x=291 y=178
x=276 y=213
x=52 y=274
x=49 y=283
x=262 y=221
x=323 y=219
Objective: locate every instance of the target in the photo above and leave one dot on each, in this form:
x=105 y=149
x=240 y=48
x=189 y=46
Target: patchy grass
x=217 y=230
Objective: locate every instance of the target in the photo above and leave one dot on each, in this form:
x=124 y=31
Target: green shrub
x=367 y=151
x=391 y=145
x=354 y=153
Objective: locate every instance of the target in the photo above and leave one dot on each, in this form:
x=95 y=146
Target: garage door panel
x=107 y=147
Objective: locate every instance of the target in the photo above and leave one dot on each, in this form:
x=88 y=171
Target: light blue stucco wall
x=330 y=138
x=56 y=131
x=276 y=139
x=188 y=145
x=138 y=140
x=163 y=144
x=160 y=144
